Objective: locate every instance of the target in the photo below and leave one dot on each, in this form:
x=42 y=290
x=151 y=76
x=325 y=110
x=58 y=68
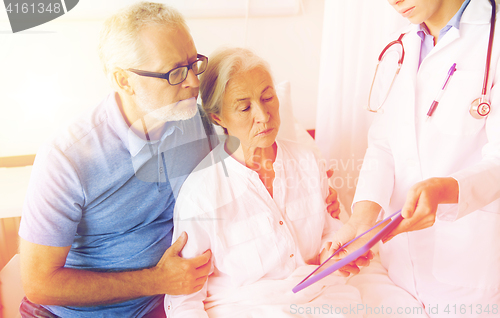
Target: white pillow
x=287 y=127
x=290 y=128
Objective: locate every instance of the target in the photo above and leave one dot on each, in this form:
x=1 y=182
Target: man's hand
x=47 y=281
x=332 y=202
x=419 y=210
x=182 y=276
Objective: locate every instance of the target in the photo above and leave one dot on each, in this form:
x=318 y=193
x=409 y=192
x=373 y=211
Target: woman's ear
x=217 y=119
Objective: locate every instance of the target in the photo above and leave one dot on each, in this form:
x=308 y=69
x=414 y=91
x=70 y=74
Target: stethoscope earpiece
x=479 y=108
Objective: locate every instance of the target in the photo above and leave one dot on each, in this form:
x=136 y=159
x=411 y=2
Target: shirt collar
x=137 y=140
x=134 y=142
x=422 y=31
x=454 y=22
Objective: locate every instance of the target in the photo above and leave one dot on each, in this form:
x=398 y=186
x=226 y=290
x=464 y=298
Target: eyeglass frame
x=199 y=57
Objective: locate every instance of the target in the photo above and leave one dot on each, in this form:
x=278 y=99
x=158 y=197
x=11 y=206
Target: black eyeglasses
x=178 y=74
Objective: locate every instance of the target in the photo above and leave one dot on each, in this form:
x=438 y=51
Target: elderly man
x=97 y=223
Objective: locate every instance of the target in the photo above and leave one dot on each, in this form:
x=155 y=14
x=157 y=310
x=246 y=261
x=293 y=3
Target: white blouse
x=224 y=206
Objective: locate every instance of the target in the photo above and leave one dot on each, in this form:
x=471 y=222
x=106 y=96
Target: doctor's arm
x=472 y=188
x=46 y=281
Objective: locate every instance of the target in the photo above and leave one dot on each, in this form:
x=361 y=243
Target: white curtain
x=354 y=33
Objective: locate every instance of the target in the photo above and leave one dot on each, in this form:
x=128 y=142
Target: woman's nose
x=262 y=113
x=394 y=2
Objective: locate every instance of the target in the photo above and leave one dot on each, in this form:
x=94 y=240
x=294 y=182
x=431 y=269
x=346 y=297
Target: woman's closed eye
x=268 y=99
x=245 y=108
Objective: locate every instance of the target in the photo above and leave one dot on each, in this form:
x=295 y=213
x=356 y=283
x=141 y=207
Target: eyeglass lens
x=178 y=75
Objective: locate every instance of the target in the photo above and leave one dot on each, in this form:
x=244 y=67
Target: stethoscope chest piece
x=479 y=108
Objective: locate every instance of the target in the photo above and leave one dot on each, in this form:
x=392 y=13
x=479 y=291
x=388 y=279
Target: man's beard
x=181 y=110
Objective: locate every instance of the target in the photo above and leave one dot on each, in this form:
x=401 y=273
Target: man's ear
x=217 y=119
x=121 y=80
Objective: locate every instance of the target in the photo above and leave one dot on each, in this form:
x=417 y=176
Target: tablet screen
x=310 y=279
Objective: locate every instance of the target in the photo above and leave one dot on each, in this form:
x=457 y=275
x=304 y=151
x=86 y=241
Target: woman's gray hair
x=223 y=65
x=120 y=44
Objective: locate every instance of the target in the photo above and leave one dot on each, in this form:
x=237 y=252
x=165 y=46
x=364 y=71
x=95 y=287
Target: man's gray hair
x=223 y=65
x=120 y=44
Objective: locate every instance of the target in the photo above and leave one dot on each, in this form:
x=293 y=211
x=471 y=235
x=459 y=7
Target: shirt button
x=291 y=255
x=161 y=169
x=281 y=222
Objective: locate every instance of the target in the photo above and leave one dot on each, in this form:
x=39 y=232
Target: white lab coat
x=458 y=258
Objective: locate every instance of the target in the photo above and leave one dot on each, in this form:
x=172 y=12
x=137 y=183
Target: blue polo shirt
x=110 y=194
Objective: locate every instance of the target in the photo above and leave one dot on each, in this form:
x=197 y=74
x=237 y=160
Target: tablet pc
x=354 y=255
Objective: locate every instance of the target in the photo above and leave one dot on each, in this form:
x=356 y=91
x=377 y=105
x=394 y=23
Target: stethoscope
x=480 y=107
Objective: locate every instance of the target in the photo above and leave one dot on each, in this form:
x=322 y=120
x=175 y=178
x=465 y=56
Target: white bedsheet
x=370 y=294
x=330 y=297
x=381 y=297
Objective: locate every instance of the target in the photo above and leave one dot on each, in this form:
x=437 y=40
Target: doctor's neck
x=441 y=15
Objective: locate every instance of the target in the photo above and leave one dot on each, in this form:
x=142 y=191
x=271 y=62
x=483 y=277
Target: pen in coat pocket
x=438 y=98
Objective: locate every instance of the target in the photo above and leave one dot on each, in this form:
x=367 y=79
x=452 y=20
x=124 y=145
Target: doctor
x=444 y=171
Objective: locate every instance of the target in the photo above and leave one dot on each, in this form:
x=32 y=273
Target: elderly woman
x=258 y=203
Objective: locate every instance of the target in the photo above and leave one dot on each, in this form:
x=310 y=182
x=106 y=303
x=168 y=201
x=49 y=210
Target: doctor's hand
x=419 y=210
x=332 y=202
x=175 y=275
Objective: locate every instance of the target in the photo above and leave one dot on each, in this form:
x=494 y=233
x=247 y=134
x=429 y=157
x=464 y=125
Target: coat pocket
x=452 y=115
x=467 y=252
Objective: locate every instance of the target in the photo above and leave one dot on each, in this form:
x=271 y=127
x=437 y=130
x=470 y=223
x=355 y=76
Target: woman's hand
x=364 y=217
x=333 y=205
x=332 y=202
x=345 y=234
x=419 y=210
